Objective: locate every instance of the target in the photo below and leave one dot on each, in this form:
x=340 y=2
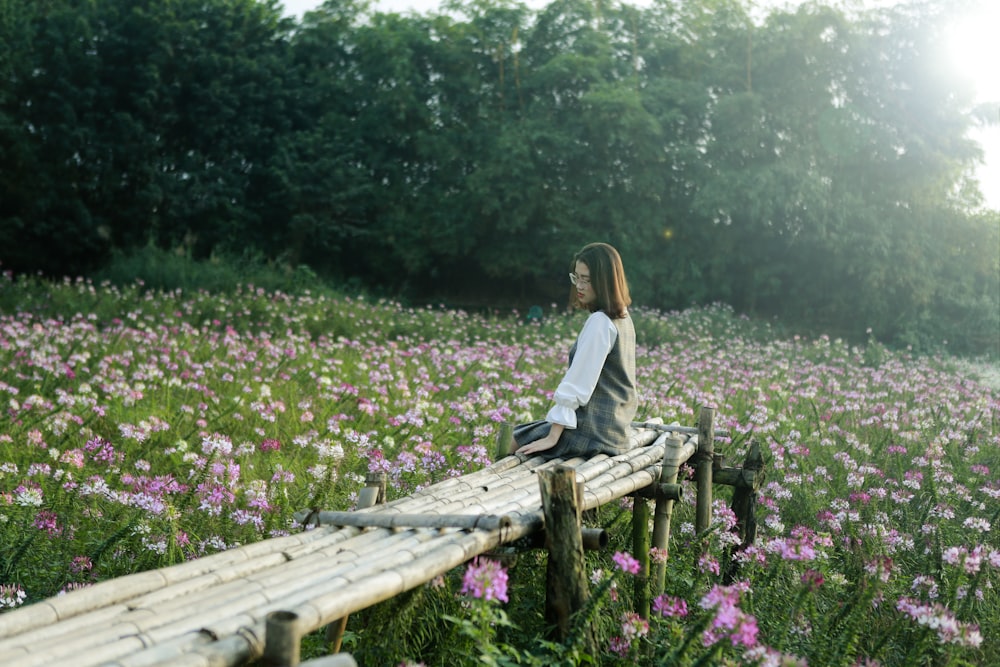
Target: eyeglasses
x=579 y=281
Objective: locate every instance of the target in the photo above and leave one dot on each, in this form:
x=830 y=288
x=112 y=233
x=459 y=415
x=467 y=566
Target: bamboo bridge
x=255 y=602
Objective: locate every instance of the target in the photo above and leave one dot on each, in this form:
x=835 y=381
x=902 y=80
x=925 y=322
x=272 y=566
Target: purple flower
x=620 y=646
x=47 y=521
x=667 y=605
x=485 y=580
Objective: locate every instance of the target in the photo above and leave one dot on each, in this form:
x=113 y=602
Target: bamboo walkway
x=212 y=612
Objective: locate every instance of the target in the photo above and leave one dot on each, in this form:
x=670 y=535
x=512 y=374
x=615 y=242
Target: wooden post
x=705 y=459
x=744 y=506
x=566 y=580
x=281 y=639
x=505 y=440
x=664 y=510
x=640 y=548
x=372 y=494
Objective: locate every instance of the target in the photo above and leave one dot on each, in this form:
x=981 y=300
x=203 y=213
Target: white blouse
x=593 y=345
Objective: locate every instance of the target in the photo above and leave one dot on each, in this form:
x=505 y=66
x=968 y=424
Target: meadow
x=141 y=428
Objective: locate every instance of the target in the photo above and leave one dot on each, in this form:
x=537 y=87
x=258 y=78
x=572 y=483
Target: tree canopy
x=814 y=165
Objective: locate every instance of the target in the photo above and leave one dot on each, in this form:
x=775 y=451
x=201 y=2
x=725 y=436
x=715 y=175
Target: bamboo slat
x=371 y=520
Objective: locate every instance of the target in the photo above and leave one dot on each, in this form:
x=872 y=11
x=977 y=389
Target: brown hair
x=607 y=277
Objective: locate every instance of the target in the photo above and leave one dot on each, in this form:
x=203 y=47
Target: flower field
x=141 y=429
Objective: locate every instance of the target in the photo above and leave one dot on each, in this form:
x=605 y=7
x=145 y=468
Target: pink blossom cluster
x=485 y=579
x=729 y=621
x=939 y=618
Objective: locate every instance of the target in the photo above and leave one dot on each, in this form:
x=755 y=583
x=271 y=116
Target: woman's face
x=584 y=290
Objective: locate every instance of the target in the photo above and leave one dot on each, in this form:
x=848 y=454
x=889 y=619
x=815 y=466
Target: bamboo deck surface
x=210 y=612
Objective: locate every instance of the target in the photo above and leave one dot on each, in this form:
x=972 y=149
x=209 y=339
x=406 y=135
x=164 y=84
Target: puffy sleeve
x=592 y=347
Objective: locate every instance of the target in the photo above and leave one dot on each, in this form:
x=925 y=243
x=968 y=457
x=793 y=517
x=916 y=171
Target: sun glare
x=974 y=47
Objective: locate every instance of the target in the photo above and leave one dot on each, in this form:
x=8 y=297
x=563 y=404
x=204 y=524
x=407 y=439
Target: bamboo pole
x=108 y=593
x=176 y=617
x=291 y=595
x=281 y=639
x=640 y=548
x=463 y=521
x=267 y=599
x=674 y=428
x=663 y=511
x=335 y=631
x=594 y=539
x=703 y=469
x=505 y=440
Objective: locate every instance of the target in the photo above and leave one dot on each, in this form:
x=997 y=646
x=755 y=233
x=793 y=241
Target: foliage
x=810 y=165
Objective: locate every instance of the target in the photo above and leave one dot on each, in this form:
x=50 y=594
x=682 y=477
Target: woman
x=596 y=400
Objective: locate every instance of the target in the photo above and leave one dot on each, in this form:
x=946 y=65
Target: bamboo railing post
x=373 y=493
x=640 y=547
x=505 y=440
x=281 y=639
x=703 y=471
x=664 y=511
x=566 y=581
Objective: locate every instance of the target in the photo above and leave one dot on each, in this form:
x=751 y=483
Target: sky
x=973 y=46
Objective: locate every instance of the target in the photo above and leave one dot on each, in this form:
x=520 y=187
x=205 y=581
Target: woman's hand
x=540 y=445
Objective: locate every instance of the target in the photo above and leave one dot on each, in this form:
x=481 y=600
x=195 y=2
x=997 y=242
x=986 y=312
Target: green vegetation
x=811 y=165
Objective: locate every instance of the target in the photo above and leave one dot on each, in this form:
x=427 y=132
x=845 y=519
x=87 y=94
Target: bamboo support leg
x=663 y=512
x=281 y=639
x=566 y=580
x=373 y=493
x=703 y=471
x=640 y=547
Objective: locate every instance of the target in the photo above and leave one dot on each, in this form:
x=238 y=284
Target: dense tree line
x=812 y=165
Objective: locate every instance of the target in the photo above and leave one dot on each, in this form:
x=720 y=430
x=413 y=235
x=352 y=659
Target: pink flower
x=485 y=580
x=730 y=621
x=708 y=564
x=634 y=626
x=667 y=605
x=812 y=579
x=626 y=563
x=658 y=556
x=270 y=445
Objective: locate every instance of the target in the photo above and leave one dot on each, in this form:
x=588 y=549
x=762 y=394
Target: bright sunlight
x=975 y=49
